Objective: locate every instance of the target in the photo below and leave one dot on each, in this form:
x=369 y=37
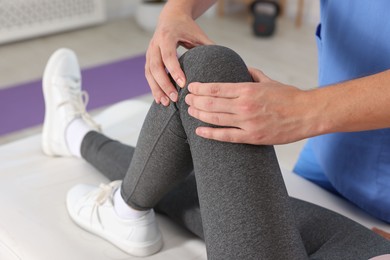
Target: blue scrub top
x=353 y=41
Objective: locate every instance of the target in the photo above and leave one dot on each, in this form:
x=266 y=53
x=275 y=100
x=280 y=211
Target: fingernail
x=165 y=101
x=190 y=87
x=173 y=96
x=180 y=82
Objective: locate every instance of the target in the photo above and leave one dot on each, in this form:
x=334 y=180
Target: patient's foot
x=66 y=120
x=93 y=209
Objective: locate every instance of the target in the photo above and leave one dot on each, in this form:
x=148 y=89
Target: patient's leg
x=325 y=234
x=245 y=209
x=328 y=235
x=243 y=202
x=110 y=157
x=113 y=158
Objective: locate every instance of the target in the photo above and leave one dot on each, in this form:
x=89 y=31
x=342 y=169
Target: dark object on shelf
x=265 y=14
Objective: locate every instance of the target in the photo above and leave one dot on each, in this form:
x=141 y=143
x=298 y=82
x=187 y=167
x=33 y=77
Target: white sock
x=75 y=133
x=125 y=211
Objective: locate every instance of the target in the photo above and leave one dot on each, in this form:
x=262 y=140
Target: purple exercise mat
x=22 y=106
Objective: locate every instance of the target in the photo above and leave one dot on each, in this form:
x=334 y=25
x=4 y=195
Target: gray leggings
x=232 y=195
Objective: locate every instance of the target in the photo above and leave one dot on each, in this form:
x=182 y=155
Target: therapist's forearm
x=192 y=8
x=356 y=105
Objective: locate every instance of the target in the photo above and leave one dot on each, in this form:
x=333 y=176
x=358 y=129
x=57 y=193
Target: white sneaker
x=64 y=101
x=93 y=209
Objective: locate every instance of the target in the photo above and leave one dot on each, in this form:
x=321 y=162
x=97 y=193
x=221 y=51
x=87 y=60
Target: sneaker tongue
x=70 y=87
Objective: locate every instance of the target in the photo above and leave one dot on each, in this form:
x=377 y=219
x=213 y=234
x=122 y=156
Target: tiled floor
x=289 y=56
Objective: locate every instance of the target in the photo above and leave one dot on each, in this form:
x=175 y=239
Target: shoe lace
x=105 y=192
x=79 y=100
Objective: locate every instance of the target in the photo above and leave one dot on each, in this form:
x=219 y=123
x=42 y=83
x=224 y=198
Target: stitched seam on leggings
x=143 y=168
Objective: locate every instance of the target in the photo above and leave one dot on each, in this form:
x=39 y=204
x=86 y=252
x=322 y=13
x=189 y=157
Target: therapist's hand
x=260 y=112
x=174 y=29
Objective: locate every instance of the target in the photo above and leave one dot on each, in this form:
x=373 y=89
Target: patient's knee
x=213 y=63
